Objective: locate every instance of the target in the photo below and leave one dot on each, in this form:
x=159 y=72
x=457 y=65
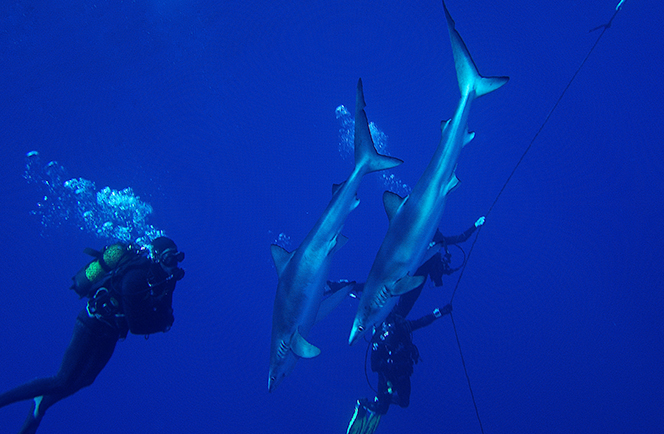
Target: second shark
x=414 y=219
x=303 y=272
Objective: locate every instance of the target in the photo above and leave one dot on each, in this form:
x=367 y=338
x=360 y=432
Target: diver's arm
x=422 y=322
x=464 y=236
x=428 y=319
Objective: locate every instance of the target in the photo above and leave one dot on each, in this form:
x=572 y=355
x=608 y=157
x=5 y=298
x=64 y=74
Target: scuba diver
x=437 y=266
x=130 y=290
x=393 y=353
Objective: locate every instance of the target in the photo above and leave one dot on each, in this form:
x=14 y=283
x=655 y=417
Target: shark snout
x=356 y=332
x=273 y=381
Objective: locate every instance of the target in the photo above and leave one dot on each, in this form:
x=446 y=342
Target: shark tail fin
x=365 y=151
x=467 y=74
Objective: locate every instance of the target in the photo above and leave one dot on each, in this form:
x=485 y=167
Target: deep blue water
x=221 y=116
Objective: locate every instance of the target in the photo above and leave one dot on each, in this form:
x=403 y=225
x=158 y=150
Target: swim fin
x=364 y=420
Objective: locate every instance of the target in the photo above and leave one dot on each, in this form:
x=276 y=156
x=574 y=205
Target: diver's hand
x=480 y=221
x=446 y=310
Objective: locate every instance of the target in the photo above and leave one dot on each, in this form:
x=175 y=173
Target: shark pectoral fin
x=407 y=283
x=338 y=242
x=302 y=348
x=431 y=251
x=328 y=304
x=391 y=202
x=280 y=256
x=452 y=184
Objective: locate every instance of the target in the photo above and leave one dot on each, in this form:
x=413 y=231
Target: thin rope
x=465 y=371
x=604 y=28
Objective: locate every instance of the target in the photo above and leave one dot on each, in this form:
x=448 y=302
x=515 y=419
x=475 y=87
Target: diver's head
x=164 y=252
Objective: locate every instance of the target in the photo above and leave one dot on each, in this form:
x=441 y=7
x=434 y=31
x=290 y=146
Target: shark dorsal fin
x=392 y=202
x=280 y=256
x=407 y=283
x=302 y=348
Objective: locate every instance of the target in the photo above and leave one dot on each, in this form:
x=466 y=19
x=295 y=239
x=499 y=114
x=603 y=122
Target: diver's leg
x=384 y=396
x=34 y=418
x=91 y=347
x=98 y=351
x=402 y=386
x=27 y=391
x=50 y=385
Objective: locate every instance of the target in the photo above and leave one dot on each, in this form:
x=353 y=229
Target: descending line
x=604 y=28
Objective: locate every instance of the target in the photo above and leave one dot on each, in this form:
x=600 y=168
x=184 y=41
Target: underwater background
x=222 y=118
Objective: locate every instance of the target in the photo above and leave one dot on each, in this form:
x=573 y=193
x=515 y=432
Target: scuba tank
x=104 y=263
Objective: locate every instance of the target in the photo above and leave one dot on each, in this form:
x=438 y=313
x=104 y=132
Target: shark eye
x=361 y=328
x=273 y=378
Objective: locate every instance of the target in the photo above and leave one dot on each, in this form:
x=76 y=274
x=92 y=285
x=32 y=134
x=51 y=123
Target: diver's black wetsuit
x=392 y=357
x=93 y=342
x=435 y=268
x=392 y=350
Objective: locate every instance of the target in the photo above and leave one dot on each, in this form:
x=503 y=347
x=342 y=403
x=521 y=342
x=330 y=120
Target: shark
x=299 y=303
x=413 y=220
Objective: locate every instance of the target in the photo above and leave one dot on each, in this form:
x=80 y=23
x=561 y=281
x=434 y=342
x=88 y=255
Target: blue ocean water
x=222 y=118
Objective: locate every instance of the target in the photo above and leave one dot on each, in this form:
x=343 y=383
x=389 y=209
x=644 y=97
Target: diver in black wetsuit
x=138 y=300
x=393 y=353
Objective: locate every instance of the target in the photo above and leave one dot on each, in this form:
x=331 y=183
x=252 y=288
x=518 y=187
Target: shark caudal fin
x=365 y=151
x=467 y=75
